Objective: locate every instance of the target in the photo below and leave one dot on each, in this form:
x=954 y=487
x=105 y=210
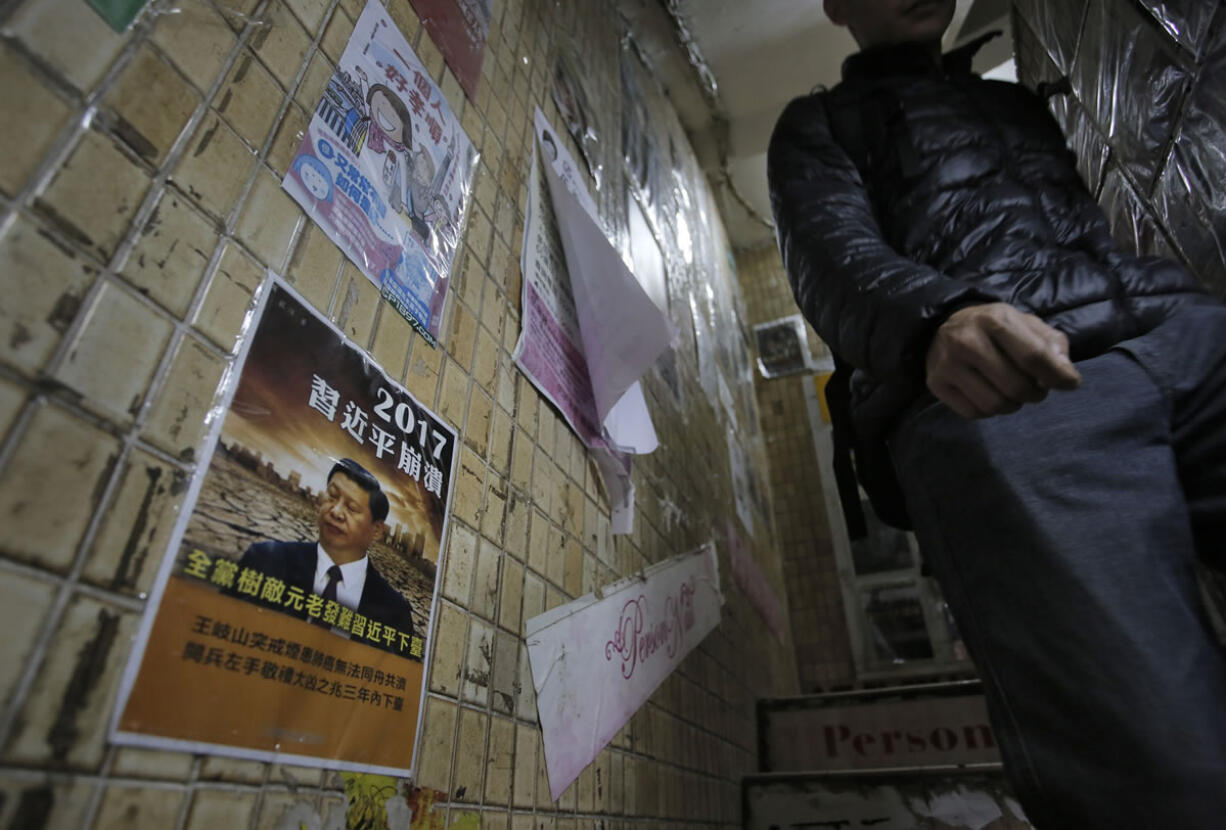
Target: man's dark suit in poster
x=303 y=571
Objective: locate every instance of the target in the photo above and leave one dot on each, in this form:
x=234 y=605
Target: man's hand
x=991 y=359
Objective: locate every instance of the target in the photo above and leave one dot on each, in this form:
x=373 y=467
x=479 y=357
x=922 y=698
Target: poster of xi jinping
x=385 y=169
x=293 y=615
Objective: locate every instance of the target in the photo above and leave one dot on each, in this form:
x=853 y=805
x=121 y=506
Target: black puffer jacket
x=968 y=195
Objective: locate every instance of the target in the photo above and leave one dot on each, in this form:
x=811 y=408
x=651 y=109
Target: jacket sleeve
x=874 y=308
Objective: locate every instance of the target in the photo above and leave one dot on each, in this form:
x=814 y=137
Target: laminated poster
x=589 y=329
x=783 y=347
x=570 y=95
x=597 y=659
x=291 y=616
x=386 y=170
x=460 y=29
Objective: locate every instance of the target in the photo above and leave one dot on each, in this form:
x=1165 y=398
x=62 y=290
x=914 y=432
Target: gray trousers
x=1064 y=538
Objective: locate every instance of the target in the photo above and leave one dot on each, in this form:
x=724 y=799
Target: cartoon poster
x=301 y=578
x=460 y=29
x=386 y=170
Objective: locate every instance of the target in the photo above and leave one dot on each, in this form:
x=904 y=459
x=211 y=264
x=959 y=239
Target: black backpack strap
x=838 y=400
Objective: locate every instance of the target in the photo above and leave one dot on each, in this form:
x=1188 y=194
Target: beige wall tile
x=315 y=266
x=13 y=397
x=197 y=39
x=215 y=166
x=112 y=359
x=79 y=46
x=134 y=808
x=281 y=43
x=572 y=574
x=469 y=278
x=136 y=527
x=462 y=338
x=467 y=776
x=356 y=304
x=523 y=787
x=65 y=801
x=585 y=790
x=287 y=140
x=485 y=363
x=310 y=12
x=33 y=116
x=249 y=99
x=525 y=702
x=437 y=744
x=485 y=588
x=24 y=606
x=176 y=421
x=280 y=811
x=134 y=762
x=460 y=564
x=219 y=768
x=212 y=809
x=493 y=309
x=336 y=35
x=500 y=441
x=65 y=716
x=511 y=597
x=319 y=71
x=493 y=512
x=555 y=558
x=480 y=659
x=521 y=460
x=392 y=339
x=51 y=280
x=447 y=658
x=95 y=195
x=171 y=253
x=153 y=103
x=228 y=296
x=268 y=220
x=51 y=486
x=425 y=365
x=505 y=673
x=515 y=526
x=470 y=475
x=477 y=426
x=499 y=761
x=538 y=543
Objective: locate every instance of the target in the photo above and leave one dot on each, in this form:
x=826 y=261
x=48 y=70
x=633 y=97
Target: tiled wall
x=815 y=600
x=139 y=207
x=1146 y=117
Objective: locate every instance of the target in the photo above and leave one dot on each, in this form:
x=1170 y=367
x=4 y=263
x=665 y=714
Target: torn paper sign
x=563 y=341
x=597 y=659
x=589 y=330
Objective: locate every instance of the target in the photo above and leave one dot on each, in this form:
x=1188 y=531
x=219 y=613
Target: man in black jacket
x=337 y=567
x=1054 y=410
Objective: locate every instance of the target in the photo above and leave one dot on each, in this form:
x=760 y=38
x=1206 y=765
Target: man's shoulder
x=382 y=590
x=804 y=106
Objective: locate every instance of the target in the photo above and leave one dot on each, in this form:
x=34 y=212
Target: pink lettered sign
x=596 y=660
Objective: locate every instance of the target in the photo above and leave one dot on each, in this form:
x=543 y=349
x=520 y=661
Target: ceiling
x=764 y=53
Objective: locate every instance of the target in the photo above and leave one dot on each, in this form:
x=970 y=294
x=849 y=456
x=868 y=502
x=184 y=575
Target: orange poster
x=292 y=616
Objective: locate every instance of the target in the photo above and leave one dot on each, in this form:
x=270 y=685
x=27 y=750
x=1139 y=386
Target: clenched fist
x=992 y=359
